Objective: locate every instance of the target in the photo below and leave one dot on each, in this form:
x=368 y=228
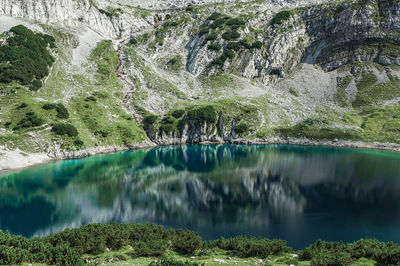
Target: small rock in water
x=228 y=258
x=260 y=262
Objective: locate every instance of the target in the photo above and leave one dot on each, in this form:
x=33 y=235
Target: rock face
x=196 y=132
x=74 y=13
x=160 y=4
x=330 y=35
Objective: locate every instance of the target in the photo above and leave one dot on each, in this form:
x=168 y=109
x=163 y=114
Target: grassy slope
x=162 y=83
x=71 y=86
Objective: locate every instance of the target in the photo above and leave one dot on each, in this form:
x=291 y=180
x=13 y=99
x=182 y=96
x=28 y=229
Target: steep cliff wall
x=330 y=35
x=110 y=23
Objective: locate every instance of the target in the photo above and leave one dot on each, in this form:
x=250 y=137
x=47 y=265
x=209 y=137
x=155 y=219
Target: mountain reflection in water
x=295 y=193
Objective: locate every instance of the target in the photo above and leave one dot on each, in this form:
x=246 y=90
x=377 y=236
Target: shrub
x=280 y=17
x=36 y=85
x=241 y=128
x=150 y=248
x=229 y=54
x=150 y=119
x=257 y=45
x=49 y=106
x=102 y=133
x=217 y=23
x=62 y=112
x=245 y=43
x=168 y=124
x=178 y=113
x=79 y=142
x=219 y=61
x=293 y=91
x=230 y=35
x=235 y=21
x=30 y=120
x=133 y=41
x=25 y=57
x=214 y=16
x=214 y=47
x=211 y=37
x=203 y=114
x=327 y=258
x=175 y=63
x=22 y=105
x=249 y=247
x=91 y=98
x=65 y=129
x=186 y=242
x=233 y=46
x=204 y=30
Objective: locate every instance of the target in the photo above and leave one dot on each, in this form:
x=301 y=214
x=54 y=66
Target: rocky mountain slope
x=280 y=71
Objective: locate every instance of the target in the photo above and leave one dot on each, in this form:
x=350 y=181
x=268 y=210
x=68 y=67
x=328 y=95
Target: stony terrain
x=280 y=71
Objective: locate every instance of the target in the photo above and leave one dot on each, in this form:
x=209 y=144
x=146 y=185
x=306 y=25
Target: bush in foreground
x=69 y=247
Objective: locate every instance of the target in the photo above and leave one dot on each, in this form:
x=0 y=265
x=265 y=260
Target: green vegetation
x=106 y=59
x=65 y=129
x=30 y=120
x=257 y=45
x=242 y=128
x=214 y=47
x=111 y=11
x=178 y=113
x=370 y=92
x=280 y=17
x=140 y=244
x=230 y=35
x=62 y=112
x=319 y=129
x=233 y=46
x=175 y=63
x=203 y=114
x=24 y=57
x=168 y=124
x=293 y=91
x=342 y=84
x=204 y=30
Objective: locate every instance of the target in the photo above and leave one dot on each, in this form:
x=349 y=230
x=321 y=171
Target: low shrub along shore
x=84 y=245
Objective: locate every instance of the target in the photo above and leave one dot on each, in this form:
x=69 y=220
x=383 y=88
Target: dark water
x=299 y=194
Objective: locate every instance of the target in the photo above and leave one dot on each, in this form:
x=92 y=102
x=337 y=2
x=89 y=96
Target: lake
x=299 y=194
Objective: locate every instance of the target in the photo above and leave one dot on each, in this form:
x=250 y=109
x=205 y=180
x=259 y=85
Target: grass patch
x=340 y=95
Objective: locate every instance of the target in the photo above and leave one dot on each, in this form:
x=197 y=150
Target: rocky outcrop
x=194 y=131
x=74 y=13
x=330 y=35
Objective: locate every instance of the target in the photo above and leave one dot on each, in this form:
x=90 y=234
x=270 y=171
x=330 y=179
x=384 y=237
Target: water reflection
x=296 y=193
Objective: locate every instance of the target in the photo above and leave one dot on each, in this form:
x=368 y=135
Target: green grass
x=90 y=118
x=370 y=124
x=340 y=95
x=372 y=94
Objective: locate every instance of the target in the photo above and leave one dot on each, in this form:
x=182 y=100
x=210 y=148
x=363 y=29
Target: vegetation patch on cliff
x=25 y=57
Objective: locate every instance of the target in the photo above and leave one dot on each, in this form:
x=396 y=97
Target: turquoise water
x=299 y=194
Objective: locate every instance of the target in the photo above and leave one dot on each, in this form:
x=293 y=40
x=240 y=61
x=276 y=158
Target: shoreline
x=14 y=160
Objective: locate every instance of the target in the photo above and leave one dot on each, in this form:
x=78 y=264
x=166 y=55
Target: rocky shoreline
x=17 y=159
